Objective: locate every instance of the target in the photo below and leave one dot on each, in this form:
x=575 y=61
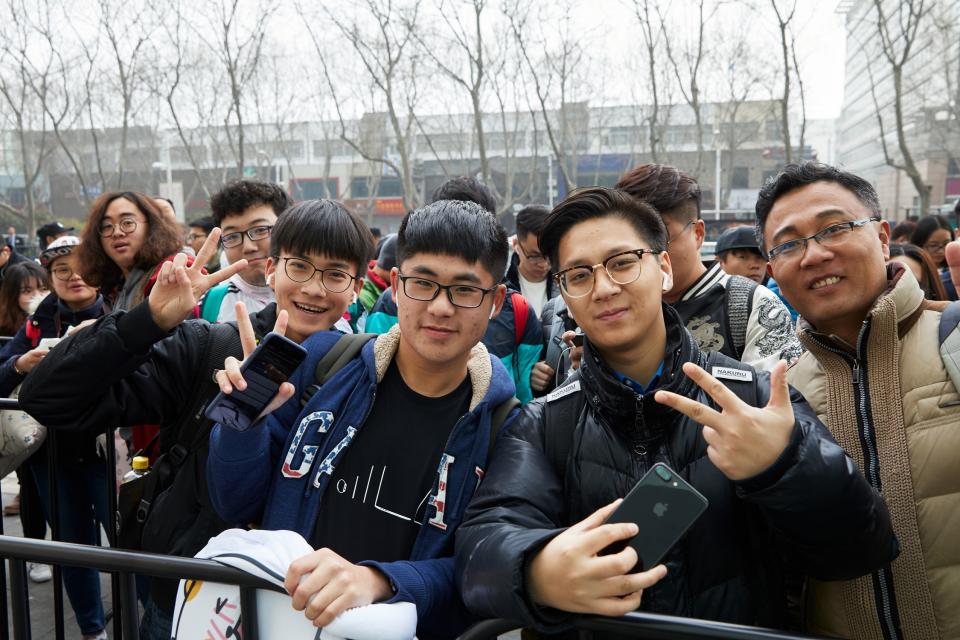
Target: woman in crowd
x=125 y=240
x=932 y=234
x=80 y=472
x=919 y=261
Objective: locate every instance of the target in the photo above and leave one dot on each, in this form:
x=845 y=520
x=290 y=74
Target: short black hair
x=455 y=228
x=531 y=220
x=324 y=227
x=238 y=196
x=599 y=202
x=794 y=176
x=662 y=186
x=205 y=223
x=466 y=189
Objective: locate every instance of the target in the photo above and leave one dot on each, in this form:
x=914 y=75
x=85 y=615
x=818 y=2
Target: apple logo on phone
x=659 y=509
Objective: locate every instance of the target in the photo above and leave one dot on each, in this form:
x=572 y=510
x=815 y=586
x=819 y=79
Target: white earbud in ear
x=354 y=298
x=493 y=312
x=270 y=280
x=667 y=282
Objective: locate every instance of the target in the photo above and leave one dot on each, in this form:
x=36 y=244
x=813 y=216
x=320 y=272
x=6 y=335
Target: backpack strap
x=736 y=376
x=499 y=417
x=210 y=309
x=521 y=309
x=949 y=335
x=740 y=292
x=343 y=351
x=561 y=409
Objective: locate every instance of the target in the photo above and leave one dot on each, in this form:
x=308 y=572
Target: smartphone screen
x=664 y=506
x=269 y=366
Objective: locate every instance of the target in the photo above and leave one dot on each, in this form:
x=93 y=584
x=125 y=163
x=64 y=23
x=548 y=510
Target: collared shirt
x=636 y=386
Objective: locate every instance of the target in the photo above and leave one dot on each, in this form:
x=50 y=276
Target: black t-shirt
x=375 y=503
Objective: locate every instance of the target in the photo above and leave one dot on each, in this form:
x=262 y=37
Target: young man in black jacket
x=143 y=365
x=777 y=483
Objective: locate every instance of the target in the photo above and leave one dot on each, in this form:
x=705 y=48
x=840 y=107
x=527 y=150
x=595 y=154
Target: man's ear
x=394 y=282
x=770 y=270
x=699 y=231
x=884 y=235
x=269 y=271
x=498 y=298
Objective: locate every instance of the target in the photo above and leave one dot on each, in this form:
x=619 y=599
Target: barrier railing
x=125 y=565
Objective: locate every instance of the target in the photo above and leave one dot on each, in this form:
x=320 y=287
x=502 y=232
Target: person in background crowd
x=518 y=342
x=529 y=270
x=8 y=258
x=124 y=242
x=148 y=363
x=50 y=232
x=199 y=230
x=25 y=285
x=413 y=410
x=932 y=234
x=531 y=544
x=80 y=472
x=739 y=255
x=729 y=314
x=378 y=273
x=920 y=263
x=903 y=231
x=377 y=241
x=11 y=237
x=874 y=373
x=245 y=210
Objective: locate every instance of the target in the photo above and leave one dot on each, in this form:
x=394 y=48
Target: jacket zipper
x=638 y=445
x=882 y=580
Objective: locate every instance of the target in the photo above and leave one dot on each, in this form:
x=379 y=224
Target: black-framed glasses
x=826 y=237
x=333 y=280
x=460 y=295
x=63 y=272
x=235 y=238
x=127 y=225
x=679 y=233
x=622 y=268
x=532 y=257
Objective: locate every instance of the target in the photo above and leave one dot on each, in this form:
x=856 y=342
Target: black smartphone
x=269 y=366
x=578 y=339
x=664 y=506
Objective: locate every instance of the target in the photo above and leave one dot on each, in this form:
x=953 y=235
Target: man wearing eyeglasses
x=873 y=371
x=246 y=211
x=729 y=314
x=534 y=545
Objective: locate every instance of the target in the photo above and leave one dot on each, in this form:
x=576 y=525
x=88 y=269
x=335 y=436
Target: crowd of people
x=496 y=397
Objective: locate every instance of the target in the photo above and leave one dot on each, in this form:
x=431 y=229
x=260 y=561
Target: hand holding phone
x=664 y=506
x=257 y=386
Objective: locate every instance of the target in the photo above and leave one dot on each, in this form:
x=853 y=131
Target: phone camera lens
x=664 y=474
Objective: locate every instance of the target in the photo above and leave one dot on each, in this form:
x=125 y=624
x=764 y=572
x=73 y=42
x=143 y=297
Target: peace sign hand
x=230 y=377
x=741 y=440
x=179 y=287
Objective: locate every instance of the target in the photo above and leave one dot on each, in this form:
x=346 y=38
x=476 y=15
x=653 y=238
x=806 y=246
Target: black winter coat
x=125 y=370
x=812 y=507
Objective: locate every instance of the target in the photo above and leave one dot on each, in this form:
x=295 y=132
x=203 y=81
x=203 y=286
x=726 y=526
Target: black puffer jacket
x=811 y=507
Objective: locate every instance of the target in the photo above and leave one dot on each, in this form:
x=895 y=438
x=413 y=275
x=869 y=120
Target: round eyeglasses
x=300 y=270
x=622 y=268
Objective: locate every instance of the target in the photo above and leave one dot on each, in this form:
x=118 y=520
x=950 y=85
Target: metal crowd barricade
x=125 y=565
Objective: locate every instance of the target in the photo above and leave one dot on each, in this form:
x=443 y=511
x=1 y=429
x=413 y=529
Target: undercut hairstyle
x=794 y=176
x=164 y=239
x=238 y=196
x=455 y=228
x=663 y=187
x=926 y=228
x=466 y=189
x=590 y=203
x=931 y=284
x=323 y=227
x=207 y=224
x=531 y=220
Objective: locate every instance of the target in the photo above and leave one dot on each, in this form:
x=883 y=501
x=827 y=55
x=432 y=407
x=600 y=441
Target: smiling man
x=246 y=211
x=532 y=544
x=377 y=468
x=874 y=373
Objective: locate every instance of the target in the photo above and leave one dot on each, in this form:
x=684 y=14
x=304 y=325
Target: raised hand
x=741 y=440
x=952 y=255
x=179 y=287
x=568 y=574
x=230 y=377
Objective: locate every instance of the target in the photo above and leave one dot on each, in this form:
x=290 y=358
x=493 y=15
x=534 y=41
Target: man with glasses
x=534 y=544
x=729 y=314
x=376 y=469
x=245 y=210
x=873 y=371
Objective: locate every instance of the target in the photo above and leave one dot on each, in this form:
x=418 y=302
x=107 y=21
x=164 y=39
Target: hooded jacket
x=274 y=474
x=811 y=506
x=891 y=403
